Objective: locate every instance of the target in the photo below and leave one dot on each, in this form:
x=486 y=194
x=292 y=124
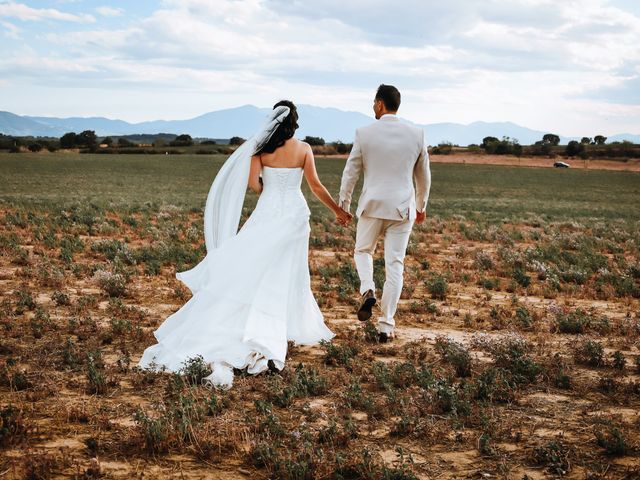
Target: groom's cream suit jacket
x=391 y=154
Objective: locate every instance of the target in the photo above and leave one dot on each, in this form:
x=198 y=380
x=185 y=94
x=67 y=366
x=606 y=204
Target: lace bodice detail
x=281 y=194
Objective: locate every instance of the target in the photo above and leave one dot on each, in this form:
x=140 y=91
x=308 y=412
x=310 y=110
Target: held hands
x=343 y=217
x=420 y=216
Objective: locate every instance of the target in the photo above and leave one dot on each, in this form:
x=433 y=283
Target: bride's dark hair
x=284 y=131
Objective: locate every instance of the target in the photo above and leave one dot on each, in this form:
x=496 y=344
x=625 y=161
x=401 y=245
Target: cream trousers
x=396 y=237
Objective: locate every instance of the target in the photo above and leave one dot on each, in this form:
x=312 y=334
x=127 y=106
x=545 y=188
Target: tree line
x=548 y=146
x=87 y=141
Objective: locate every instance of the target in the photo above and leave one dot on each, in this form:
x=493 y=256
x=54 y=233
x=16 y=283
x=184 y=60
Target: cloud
x=530 y=61
x=10 y=30
x=36 y=67
x=523 y=35
x=623 y=91
x=109 y=11
x=23 y=12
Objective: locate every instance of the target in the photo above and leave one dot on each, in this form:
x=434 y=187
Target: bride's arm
x=319 y=190
x=254 y=174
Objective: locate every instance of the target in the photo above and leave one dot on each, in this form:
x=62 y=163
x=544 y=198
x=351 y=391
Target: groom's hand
x=344 y=218
x=420 y=216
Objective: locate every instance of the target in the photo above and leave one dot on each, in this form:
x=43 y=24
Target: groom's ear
x=378 y=106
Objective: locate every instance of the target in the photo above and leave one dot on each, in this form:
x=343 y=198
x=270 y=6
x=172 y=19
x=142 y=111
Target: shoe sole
x=364 y=313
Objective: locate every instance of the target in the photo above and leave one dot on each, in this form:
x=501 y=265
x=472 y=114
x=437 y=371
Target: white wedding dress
x=254 y=292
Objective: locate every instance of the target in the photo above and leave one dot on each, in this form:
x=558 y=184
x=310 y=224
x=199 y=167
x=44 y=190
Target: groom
x=391 y=154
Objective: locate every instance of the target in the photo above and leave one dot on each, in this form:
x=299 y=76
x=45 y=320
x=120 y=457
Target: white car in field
x=561 y=165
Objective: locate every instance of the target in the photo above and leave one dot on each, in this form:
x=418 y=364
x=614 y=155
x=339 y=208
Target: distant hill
x=624 y=136
x=474 y=133
x=329 y=123
x=11 y=124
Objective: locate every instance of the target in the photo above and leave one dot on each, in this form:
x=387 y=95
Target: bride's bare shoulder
x=296 y=146
x=293 y=142
x=301 y=144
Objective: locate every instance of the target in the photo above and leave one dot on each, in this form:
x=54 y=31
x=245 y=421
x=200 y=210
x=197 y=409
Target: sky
x=567 y=66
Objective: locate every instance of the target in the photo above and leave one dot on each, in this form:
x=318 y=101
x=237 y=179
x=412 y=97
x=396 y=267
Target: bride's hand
x=343 y=217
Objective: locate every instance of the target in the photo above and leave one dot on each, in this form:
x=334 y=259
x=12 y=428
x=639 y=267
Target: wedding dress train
x=251 y=294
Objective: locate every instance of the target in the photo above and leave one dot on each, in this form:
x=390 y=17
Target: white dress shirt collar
x=389 y=116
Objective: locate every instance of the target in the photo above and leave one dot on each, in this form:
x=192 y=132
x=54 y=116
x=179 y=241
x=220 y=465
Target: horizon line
x=422 y=125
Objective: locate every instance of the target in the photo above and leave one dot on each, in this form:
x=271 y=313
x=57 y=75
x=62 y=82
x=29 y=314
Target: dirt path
x=631 y=165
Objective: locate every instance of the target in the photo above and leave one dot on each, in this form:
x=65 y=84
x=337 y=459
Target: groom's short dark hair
x=390 y=96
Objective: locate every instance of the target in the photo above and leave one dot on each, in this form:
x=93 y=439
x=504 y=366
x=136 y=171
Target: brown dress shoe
x=368 y=301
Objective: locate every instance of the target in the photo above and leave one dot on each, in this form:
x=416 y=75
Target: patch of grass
x=19 y=380
x=483 y=261
x=486 y=447
x=608 y=384
x=489 y=283
x=512 y=355
x=49 y=275
x=521 y=277
x=558 y=372
x=495 y=384
x=402 y=470
x=348 y=276
x=24 y=301
x=424 y=306
x=356 y=397
x=270 y=425
x=437 y=287
x=113 y=284
x=370 y=332
x=455 y=354
x=40 y=464
x=96 y=380
x=305 y=381
x=264 y=454
x=590 y=353
x=195 y=369
x=618 y=361
x=114 y=249
x=554 y=456
x=12 y=426
x=523 y=318
x=60 y=298
x=156 y=432
x=612 y=441
x=446 y=397
x=574 y=322
x=401 y=375
x=336 y=354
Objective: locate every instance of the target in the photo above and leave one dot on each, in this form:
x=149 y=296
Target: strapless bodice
x=281 y=194
x=281 y=179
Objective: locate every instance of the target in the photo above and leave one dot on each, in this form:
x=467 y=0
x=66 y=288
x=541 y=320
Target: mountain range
x=329 y=123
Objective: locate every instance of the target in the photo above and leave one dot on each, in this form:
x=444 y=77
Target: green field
x=520 y=312
x=475 y=191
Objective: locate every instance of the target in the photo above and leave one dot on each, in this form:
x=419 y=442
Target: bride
x=252 y=291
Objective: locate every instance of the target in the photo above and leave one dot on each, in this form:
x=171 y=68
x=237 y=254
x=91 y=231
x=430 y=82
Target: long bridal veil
x=224 y=202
